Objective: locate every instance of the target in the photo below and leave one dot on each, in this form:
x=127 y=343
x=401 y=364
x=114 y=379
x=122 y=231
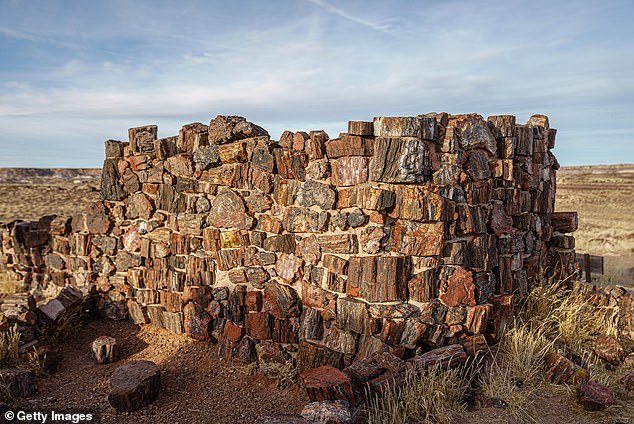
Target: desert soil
x=196 y=385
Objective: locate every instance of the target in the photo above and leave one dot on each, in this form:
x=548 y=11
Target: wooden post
x=586 y=265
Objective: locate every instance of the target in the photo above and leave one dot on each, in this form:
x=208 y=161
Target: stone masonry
x=401 y=235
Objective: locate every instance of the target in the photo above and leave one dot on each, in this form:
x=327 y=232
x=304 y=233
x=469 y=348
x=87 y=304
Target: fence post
x=586 y=264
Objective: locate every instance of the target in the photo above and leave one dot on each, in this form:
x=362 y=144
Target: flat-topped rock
x=134 y=385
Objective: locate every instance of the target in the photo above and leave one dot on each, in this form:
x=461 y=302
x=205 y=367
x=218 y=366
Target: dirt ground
x=196 y=385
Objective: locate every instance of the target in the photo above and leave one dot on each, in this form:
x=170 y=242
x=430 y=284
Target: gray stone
x=206 y=157
x=316 y=193
x=357 y=218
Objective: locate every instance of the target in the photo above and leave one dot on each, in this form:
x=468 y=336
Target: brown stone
x=423 y=286
x=336 y=264
x=446 y=357
x=232 y=332
x=473 y=132
x=258 y=325
x=628 y=381
x=500 y=223
x=417 y=203
x=281 y=300
x=134 y=385
x=397 y=127
x=180 y=165
x=477 y=318
x=352 y=315
x=230 y=174
x=477 y=165
x=315 y=145
x=313 y=355
x=338 y=243
x=327 y=383
x=228 y=210
x=224 y=129
x=309 y=250
x=349 y=170
x=417 y=239
x=564 y=222
x=197 y=321
x=233 y=153
x=140 y=206
x=192 y=136
x=139 y=137
x=254 y=301
x=560 y=370
x=18 y=382
x=280 y=243
x=111 y=188
x=361 y=128
x=371 y=239
x=400 y=160
x=609 y=349
x=349 y=145
x=378 y=278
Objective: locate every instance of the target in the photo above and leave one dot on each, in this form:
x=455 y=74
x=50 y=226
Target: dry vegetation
x=511 y=376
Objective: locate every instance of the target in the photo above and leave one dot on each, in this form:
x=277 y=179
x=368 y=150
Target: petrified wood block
x=105 y=350
x=134 y=385
x=18 y=382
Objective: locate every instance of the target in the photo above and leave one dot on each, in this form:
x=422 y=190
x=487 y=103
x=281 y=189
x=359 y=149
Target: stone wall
x=403 y=234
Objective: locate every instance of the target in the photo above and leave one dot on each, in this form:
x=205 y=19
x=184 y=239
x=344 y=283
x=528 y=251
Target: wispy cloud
x=330 y=8
x=81 y=76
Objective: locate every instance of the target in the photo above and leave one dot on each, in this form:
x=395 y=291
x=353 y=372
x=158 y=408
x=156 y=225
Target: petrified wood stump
x=105 y=350
x=134 y=385
x=19 y=382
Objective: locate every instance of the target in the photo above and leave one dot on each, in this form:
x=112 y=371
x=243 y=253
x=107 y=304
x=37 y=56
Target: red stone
x=258 y=325
x=560 y=370
x=418 y=239
x=594 y=396
x=232 y=332
x=254 y=301
x=609 y=349
x=349 y=145
x=327 y=383
x=458 y=289
x=628 y=381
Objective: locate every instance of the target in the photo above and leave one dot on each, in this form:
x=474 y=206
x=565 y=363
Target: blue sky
x=75 y=73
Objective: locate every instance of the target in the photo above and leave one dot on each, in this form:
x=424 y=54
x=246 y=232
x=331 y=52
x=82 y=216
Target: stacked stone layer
x=402 y=234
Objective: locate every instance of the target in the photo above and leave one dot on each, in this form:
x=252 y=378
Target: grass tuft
x=283 y=374
x=433 y=396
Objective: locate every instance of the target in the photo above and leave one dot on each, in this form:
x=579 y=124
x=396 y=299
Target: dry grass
x=283 y=374
x=432 y=396
x=565 y=315
x=9 y=285
x=66 y=326
x=9 y=347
